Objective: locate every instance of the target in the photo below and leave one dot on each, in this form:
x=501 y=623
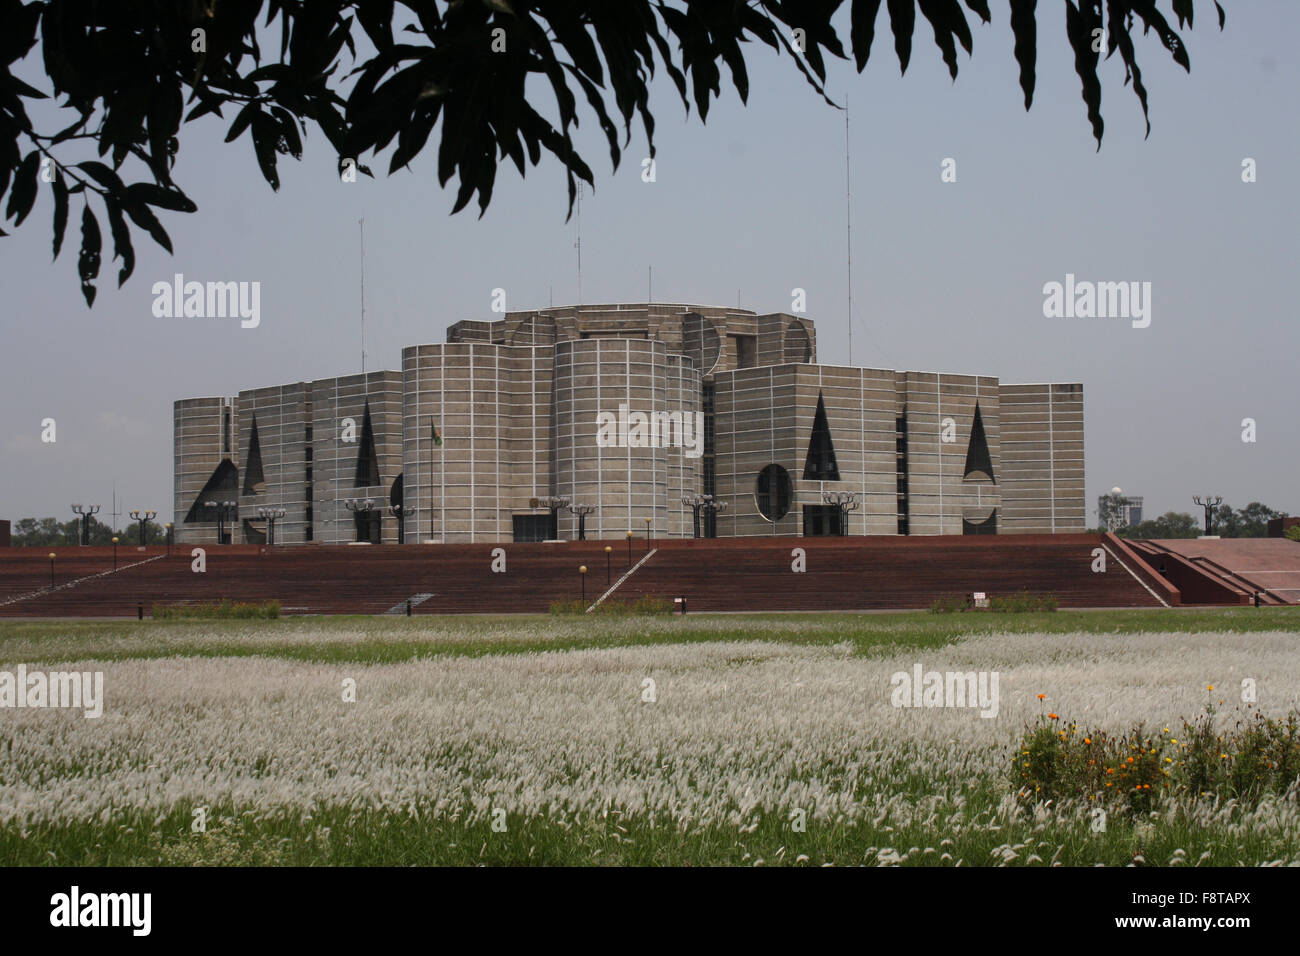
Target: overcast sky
x=946 y=276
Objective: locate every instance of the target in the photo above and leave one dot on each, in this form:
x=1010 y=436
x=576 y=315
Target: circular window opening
x=772 y=492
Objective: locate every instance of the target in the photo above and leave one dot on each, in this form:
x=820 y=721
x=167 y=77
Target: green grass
x=337 y=837
x=394 y=639
x=334 y=835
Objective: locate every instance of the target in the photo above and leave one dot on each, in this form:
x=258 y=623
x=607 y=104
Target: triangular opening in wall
x=978 y=462
x=254 y=480
x=820 y=463
x=222 y=485
x=367 y=475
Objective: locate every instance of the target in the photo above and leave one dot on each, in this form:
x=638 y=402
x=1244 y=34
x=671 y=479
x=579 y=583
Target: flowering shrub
x=947 y=605
x=645 y=604
x=225 y=609
x=1022 y=603
x=1258 y=755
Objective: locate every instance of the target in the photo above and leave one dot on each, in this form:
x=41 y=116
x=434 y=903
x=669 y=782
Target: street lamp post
x=399 y=515
x=554 y=503
x=85 y=511
x=705 y=504
x=170 y=529
x=648 y=520
x=846 y=501
x=144 y=517
x=270 y=516
x=582 y=573
x=630 y=536
x=114 y=552
x=52 y=556
x=359 y=506
x=712 y=508
x=224 y=509
x=1209 y=503
x=581 y=510
x=609 y=552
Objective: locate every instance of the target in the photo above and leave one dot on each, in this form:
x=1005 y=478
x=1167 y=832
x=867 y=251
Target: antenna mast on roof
x=362 y=224
x=578 y=244
x=848 y=223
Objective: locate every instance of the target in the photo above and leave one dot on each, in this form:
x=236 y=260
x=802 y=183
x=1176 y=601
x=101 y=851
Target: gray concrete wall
x=200 y=440
x=492 y=407
x=281 y=414
x=338 y=414
x=625 y=483
x=1042 y=454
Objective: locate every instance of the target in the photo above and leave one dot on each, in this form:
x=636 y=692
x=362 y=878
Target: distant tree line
x=1248 y=522
x=50 y=532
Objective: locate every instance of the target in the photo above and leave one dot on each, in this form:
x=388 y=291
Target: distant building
x=1127 y=512
x=628 y=408
x=1277 y=527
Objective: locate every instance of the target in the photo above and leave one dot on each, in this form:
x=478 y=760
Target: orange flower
x=1053 y=716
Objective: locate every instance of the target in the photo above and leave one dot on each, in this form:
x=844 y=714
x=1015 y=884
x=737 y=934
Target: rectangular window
x=532 y=527
x=821 y=520
x=744 y=347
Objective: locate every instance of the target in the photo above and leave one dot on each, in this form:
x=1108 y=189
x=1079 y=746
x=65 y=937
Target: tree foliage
x=51 y=532
x=1248 y=522
x=125 y=77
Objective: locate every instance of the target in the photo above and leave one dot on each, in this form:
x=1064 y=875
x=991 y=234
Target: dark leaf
x=60 y=190
x=23 y=195
x=948 y=21
x=1079 y=25
x=122 y=248
x=266 y=134
x=1024 y=26
x=88 y=261
x=902 y=20
x=102 y=175
x=143 y=217
x=242 y=119
x=154 y=195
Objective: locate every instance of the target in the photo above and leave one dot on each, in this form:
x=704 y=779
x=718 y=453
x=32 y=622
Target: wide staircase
x=309 y=580
x=878 y=573
x=1228 y=570
x=713 y=575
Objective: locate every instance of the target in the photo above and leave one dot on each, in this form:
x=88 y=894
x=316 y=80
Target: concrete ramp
x=1270 y=566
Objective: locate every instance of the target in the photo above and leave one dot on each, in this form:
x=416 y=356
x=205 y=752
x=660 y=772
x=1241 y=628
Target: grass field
x=770 y=739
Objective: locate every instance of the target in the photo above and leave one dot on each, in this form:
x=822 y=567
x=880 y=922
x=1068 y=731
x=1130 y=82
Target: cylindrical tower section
x=454 y=466
x=627 y=435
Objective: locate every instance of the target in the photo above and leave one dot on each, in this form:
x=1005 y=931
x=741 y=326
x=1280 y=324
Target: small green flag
x=437 y=436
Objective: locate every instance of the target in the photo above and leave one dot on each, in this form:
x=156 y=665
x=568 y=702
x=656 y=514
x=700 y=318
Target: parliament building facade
x=504 y=430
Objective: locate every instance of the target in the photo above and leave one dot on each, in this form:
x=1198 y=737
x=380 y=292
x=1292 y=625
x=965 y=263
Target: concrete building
x=628 y=409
